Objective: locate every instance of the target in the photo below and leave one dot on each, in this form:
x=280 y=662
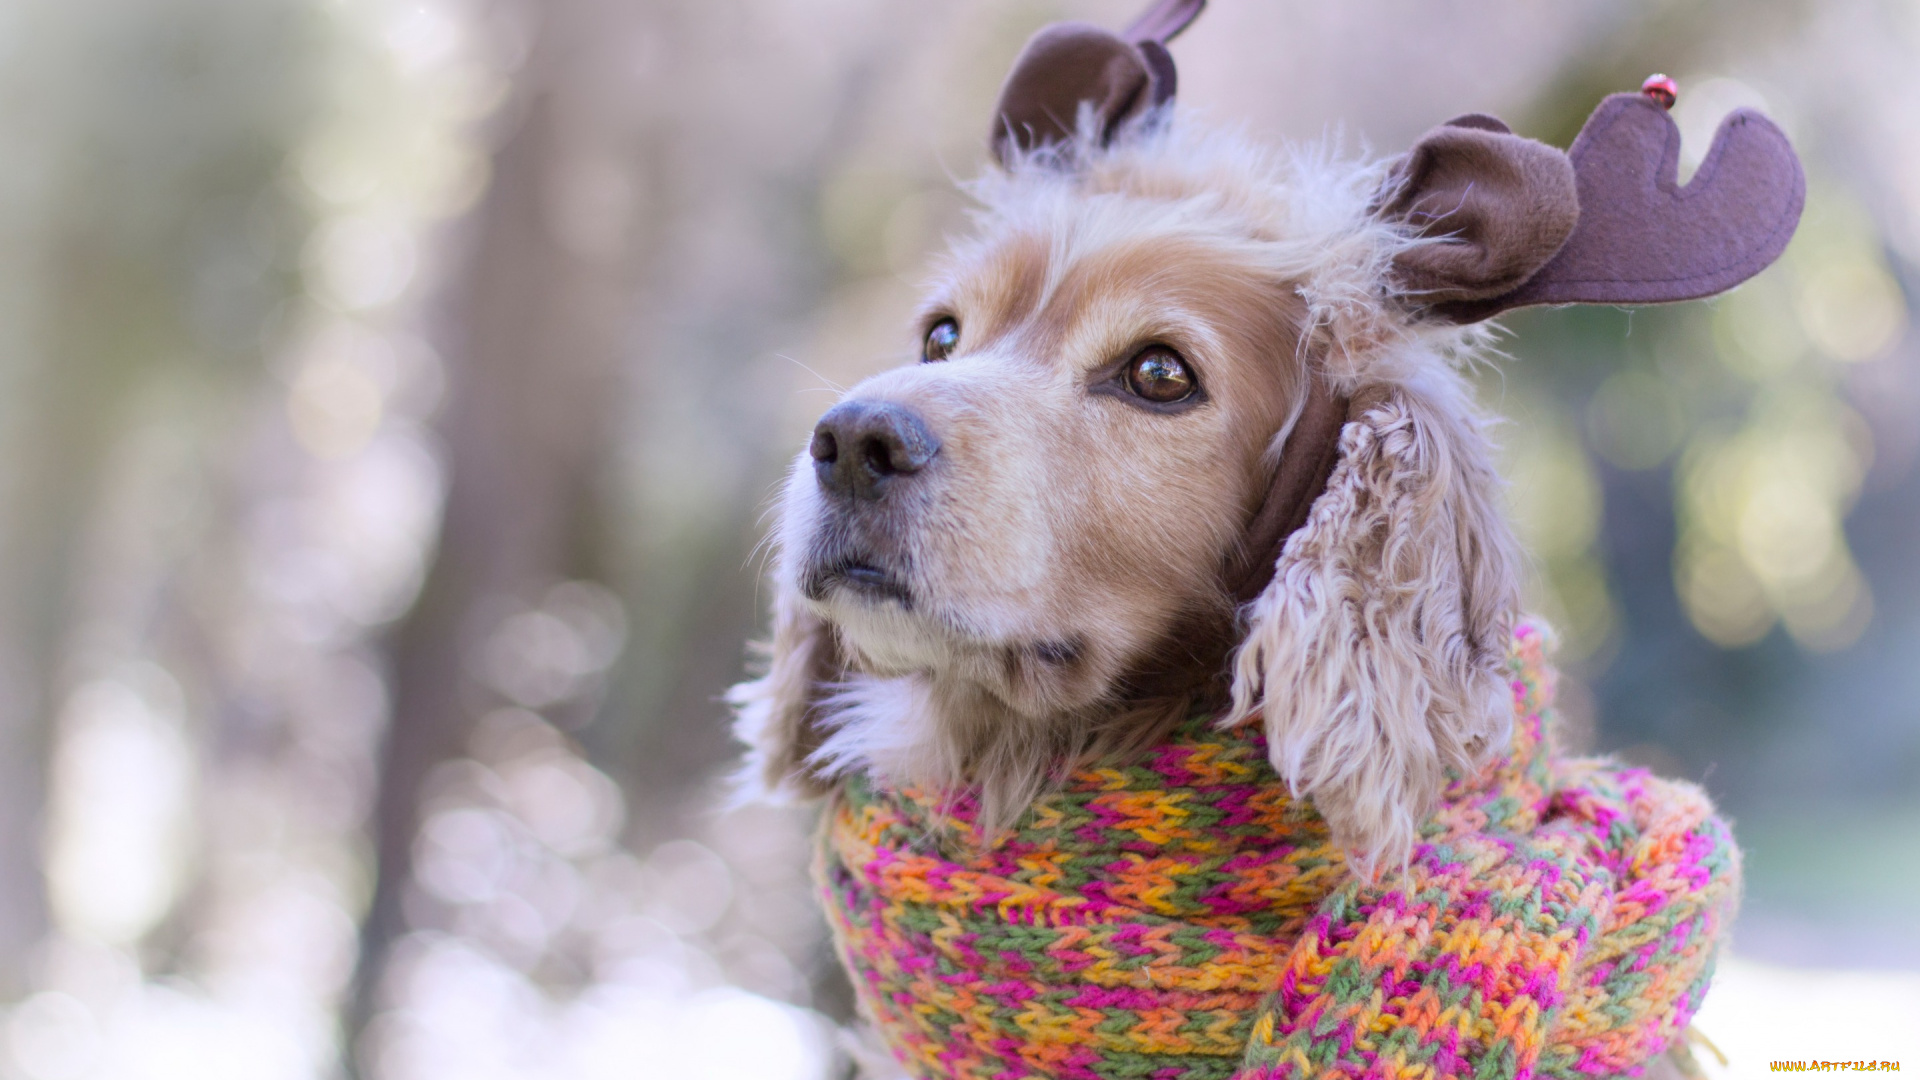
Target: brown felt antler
x=1069 y=63
x=1163 y=21
x=1641 y=237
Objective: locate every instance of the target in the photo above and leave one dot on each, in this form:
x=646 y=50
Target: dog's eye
x=942 y=338
x=1159 y=375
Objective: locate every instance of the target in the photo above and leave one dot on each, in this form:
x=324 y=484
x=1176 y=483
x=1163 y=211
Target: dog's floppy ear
x=1374 y=655
x=1494 y=208
x=777 y=715
x=1071 y=64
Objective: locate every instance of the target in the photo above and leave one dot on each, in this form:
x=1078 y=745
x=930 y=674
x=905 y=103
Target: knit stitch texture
x=1181 y=917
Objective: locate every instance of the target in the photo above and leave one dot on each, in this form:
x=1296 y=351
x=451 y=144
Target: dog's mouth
x=860 y=577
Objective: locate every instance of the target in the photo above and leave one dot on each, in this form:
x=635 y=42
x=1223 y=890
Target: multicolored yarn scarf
x=1182 y=917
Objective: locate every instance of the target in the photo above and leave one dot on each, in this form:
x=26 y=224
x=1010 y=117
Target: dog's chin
x=889 y=637
x=876 y=614
x=1034 y=680
x=895 y=629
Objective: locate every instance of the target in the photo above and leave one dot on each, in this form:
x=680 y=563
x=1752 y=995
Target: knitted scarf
x=1181 y=918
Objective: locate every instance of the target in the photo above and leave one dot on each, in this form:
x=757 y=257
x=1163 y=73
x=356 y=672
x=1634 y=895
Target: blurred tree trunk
x=531 y=339
x=607 y=197
x=78 y=399
x=130 y=169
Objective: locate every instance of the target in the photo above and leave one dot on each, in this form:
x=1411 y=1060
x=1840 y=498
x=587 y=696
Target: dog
x=1190 y=431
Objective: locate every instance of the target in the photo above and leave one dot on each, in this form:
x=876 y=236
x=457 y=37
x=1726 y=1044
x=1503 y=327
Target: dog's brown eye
x=1159 y=375
x=942 y=338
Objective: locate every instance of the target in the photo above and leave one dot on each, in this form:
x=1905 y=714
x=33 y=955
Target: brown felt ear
x=1064 y=65
x=1069 y=65
x=1496 y=205
x=1643 y=238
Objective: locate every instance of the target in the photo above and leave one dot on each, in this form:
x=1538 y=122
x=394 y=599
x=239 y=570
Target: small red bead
x=1661 y=89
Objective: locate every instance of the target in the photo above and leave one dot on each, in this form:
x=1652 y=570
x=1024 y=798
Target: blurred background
x=393 y=392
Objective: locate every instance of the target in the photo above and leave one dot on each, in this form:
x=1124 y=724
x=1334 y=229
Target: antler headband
x=1642 y=237
x=1512 y=222
x=1625 y=231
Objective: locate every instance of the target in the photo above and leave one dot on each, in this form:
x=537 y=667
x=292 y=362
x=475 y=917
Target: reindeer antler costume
x=1184 y=916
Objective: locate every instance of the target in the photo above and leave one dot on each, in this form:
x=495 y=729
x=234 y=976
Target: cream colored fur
x=1062 y=523
x=1374 y=657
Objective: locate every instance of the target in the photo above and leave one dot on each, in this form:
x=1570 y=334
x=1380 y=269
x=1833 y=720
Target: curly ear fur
x=1374 y=656
x=777 y=715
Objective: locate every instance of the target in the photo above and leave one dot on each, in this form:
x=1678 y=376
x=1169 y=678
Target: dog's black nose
x=861 y=447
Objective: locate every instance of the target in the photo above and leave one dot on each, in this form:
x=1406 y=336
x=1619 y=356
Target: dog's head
x=1178 y=396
